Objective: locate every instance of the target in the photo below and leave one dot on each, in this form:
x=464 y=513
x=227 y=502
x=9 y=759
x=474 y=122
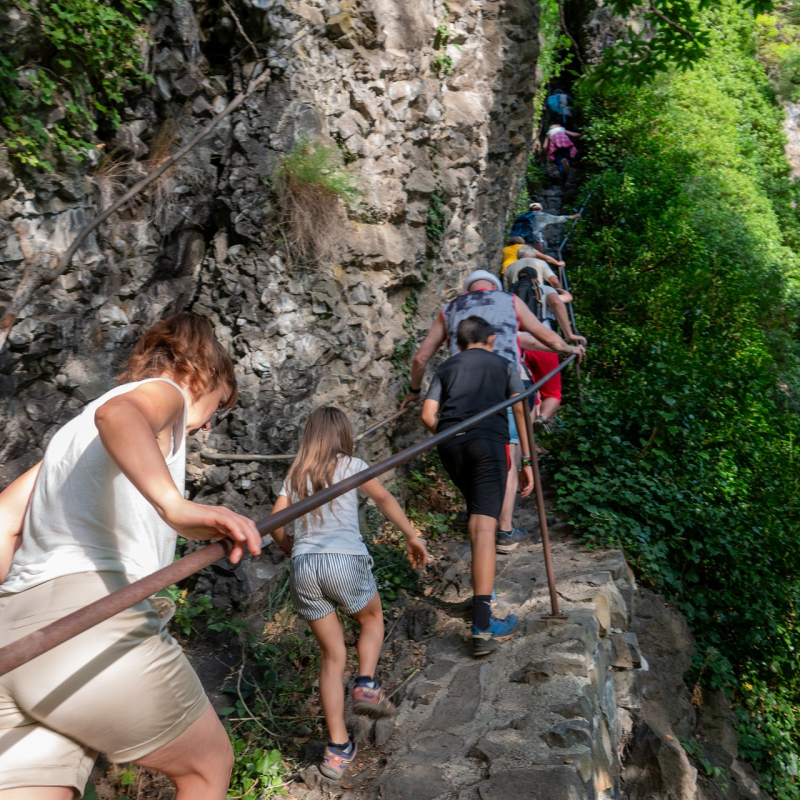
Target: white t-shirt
x=337 y=530
x=86 y=516
x=542 y=270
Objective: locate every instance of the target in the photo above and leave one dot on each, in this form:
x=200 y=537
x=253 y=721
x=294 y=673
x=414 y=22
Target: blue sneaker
x=506 y=541
x=485 y=642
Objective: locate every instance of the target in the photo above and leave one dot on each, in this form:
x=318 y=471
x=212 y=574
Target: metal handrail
x=563 y=270
x=38 y=642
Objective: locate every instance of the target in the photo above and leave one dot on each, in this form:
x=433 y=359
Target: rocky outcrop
x=791 y=127
x=358 y=76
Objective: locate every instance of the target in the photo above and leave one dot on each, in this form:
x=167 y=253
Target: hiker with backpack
x=484 y=297
x=528 y=256
x=547 y=304
x=558 y=104
x=530 y=225
x=561 y=149
x=510 y=251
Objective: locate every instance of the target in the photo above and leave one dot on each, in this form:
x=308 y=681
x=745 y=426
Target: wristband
x=415 y=391
x=526 y=461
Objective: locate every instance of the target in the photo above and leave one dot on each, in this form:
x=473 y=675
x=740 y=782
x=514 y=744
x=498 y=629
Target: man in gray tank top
x=507 y=314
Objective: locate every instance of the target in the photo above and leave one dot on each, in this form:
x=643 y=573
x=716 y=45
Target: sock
x=346 y=748
x=481 y=611
x=366 y=680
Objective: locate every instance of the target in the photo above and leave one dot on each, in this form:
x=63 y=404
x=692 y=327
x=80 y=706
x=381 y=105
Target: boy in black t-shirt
x=477 y=460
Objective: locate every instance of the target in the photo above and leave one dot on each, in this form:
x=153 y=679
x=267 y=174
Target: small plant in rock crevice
x=310 y=182
x=441 y=62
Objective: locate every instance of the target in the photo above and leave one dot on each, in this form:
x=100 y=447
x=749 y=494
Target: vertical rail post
x=537 y=487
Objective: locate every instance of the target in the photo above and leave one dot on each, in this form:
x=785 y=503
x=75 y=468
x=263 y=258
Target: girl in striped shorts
x=331 y=569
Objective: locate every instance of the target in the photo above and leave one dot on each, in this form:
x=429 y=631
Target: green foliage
x=655 y=46
x=556 y=53
x=392 y=571
x=312 y=164
x=714 y=772
x=91 y=55
x=436 y=225
x=779 y=50
x=441 y=62
x=256 y=774
x=191 y=609
x=685 y=276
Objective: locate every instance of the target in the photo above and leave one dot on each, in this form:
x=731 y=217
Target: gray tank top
x=497 y=308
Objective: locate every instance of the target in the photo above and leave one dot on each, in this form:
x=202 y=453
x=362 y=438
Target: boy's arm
x=430 y=408
x=14 y=501
x=415 y=548
x=279 y=534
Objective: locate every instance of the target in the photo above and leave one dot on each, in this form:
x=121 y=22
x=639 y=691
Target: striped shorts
x=321 y=582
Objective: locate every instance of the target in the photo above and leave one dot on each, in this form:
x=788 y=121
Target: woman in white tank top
x=103 y=508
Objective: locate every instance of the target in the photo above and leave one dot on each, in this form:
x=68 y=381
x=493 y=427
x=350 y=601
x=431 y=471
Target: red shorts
x=540 y=363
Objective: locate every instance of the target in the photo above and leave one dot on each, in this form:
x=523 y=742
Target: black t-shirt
x=471 y=382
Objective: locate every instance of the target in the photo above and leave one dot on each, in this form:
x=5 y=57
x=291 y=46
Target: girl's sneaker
x=372 y=702
x=335 y=761
x=485 y=641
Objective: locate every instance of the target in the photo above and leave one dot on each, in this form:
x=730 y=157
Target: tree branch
x=663 y=18
x=31 y=281
x=241 y=29
x=567 y=33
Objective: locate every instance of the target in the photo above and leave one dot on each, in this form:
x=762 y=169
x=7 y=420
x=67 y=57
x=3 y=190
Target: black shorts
x=479 y=468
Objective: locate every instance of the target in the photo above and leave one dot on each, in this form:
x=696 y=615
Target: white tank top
x=86 y=516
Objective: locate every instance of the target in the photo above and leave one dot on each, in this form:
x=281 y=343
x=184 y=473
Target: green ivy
x=90 y=55
x=441 y=62
x=685 y=275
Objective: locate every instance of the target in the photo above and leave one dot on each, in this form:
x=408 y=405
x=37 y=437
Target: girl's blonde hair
x=327 y=435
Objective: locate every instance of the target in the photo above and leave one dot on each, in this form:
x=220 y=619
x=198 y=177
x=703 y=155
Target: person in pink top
x=561 y=148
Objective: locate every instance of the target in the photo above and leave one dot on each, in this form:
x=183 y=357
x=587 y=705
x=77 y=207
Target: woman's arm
x=14 y=501
x=129 y=425
x=415 y=548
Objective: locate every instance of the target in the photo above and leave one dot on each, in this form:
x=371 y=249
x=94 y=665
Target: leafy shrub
x=88 y=55
x=779 y=50
x=685 y=279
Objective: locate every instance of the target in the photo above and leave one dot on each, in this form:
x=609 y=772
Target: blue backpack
x=523 y=226
x=558 y=103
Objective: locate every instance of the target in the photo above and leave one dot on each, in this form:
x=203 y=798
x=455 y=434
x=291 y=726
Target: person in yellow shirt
x=510 y=251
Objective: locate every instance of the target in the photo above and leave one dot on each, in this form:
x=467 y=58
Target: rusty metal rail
x=34 y=644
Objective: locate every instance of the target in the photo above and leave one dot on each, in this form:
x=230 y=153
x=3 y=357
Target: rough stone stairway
x=590 y=707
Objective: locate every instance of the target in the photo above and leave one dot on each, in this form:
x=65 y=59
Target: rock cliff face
x=425 y=150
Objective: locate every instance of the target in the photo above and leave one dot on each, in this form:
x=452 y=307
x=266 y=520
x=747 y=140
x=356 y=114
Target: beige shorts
x=123 y=688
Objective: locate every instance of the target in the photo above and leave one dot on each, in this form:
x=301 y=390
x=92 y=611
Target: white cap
x=536 y=205
x=482 y=275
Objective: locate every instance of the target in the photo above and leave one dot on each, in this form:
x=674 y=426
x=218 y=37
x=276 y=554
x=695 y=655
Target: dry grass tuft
x=310 y=183
x=160 y=193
